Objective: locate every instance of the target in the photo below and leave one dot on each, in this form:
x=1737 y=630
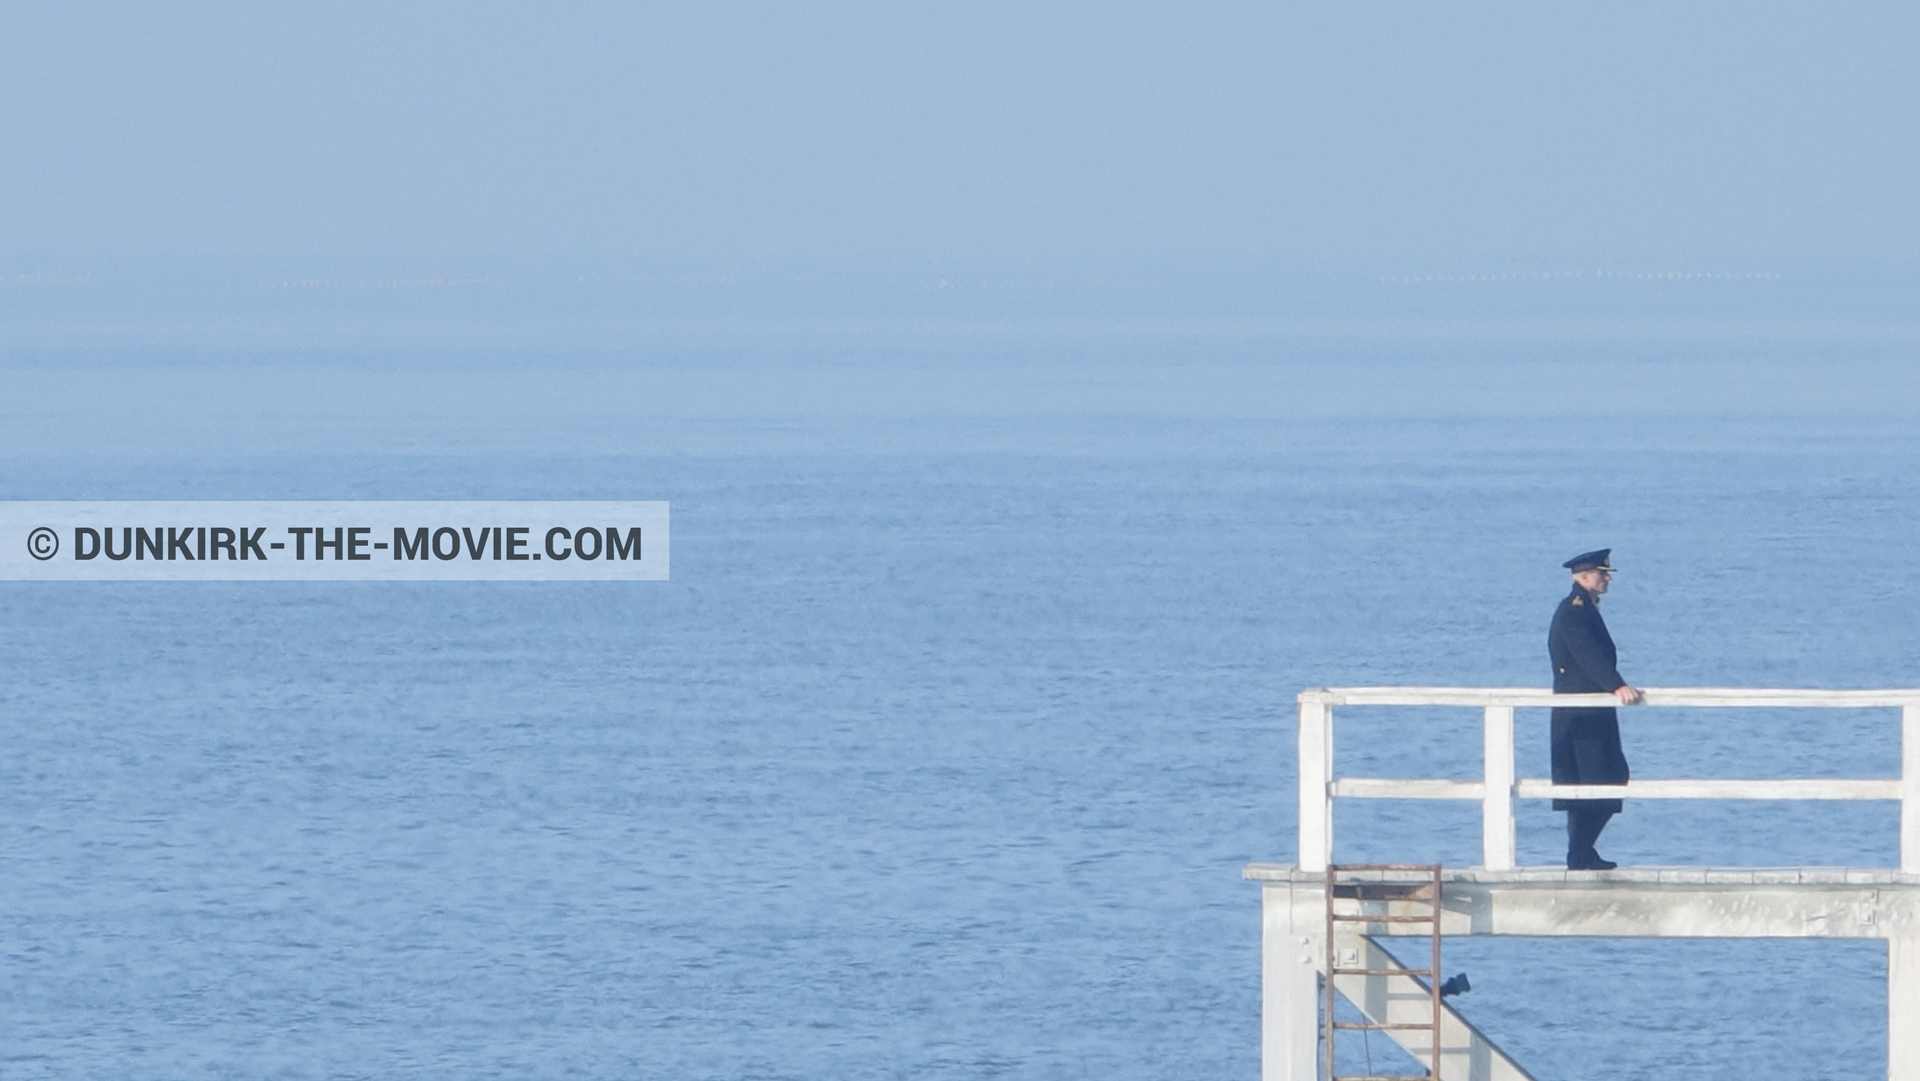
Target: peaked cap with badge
x=1596 y=560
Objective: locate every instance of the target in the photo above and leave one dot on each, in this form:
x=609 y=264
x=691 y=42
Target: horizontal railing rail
x=1655 y=696
x=1536 y=788
x=1498 y=787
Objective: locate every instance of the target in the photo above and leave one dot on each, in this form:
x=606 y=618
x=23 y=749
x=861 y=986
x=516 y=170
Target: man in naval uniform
x=1586 y=740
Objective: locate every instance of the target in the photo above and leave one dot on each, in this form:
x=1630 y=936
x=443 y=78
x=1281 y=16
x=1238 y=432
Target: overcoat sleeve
x=1590 y=647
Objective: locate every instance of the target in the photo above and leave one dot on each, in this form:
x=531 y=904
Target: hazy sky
x=1053 y=130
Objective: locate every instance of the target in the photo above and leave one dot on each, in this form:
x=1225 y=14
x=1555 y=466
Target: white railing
x=1498 y=788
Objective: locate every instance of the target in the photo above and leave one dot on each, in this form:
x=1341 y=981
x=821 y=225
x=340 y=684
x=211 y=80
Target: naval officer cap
x=1590 y=561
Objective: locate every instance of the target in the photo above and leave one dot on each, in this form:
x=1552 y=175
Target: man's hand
x=1628 y=695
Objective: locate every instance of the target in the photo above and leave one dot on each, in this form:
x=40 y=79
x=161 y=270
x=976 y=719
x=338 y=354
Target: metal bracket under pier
x=1465 y=1052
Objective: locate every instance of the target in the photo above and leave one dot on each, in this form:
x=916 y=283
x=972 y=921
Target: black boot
x=1583 y=829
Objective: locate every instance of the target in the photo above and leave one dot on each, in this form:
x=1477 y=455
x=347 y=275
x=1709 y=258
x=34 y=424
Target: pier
x=1303 y=948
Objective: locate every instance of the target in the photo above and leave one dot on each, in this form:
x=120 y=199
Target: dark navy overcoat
x=1586 y=741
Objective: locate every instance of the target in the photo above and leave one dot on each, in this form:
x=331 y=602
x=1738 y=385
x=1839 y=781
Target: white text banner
x=391 y=541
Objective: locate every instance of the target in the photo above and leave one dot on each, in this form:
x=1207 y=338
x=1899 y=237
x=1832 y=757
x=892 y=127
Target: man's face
x=1594 y=582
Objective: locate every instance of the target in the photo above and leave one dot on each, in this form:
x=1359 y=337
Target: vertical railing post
x=1910 y=789
x=1316 y=777
x=1496 y=803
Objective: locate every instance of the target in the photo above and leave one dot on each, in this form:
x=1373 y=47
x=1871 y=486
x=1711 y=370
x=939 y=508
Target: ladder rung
x=1377 y=1025
x=1339 y=917
x=1381 y=971
x=1383 y=1077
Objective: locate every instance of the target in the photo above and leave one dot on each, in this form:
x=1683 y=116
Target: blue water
x=941 y=753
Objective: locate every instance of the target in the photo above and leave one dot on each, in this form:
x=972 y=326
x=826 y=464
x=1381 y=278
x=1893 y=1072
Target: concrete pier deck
x=1631 y=902
x=1634 y=902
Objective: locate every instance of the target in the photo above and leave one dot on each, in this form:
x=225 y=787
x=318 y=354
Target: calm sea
x=940 y=755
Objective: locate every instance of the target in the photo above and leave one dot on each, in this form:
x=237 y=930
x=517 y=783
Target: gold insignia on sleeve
x=1577 y=602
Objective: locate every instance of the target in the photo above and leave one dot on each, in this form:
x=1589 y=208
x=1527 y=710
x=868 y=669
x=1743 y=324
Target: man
x=1586 y=741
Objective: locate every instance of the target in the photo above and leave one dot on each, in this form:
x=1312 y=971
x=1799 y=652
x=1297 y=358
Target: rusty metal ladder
x=1388 y=882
